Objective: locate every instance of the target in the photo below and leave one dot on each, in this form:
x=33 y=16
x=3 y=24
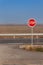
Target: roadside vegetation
x=32 y=48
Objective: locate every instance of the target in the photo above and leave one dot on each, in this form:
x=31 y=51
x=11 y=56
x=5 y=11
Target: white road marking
x=20 y=34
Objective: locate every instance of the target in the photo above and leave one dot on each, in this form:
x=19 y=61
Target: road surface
x=21 y=40
x=10 y=54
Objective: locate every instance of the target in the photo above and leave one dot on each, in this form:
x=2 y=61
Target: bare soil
x=11 y=55
x=20 y=29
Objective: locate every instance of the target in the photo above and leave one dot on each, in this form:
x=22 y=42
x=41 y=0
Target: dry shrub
x=31 y=48
x=39 y=49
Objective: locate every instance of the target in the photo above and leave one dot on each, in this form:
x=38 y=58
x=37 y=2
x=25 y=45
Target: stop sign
x=31 y=22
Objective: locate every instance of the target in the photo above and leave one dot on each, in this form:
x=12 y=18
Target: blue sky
x=19 y=11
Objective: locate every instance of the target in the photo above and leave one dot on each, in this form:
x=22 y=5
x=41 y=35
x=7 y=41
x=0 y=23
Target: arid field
x=10 y=54
x=13 y=54
x=20 y=29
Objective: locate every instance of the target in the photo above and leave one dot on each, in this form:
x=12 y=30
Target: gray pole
x=32 y=36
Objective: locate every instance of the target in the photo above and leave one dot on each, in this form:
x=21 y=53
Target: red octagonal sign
x=31 y=22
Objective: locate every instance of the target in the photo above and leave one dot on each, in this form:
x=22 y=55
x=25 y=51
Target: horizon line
x=18 y=24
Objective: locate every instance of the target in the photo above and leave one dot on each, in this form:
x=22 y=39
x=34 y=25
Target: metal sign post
x=31 y=23
x=32 y=36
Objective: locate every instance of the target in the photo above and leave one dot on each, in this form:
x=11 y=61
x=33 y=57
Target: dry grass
x=20 y=29
x=32 y=47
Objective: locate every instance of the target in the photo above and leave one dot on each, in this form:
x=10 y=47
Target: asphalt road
x=21 y=40
x=11 y=55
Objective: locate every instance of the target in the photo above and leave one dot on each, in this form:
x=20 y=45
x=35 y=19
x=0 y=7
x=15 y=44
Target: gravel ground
x=11 y=55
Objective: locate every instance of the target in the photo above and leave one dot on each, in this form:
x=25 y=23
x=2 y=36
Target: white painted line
x=21 y=34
